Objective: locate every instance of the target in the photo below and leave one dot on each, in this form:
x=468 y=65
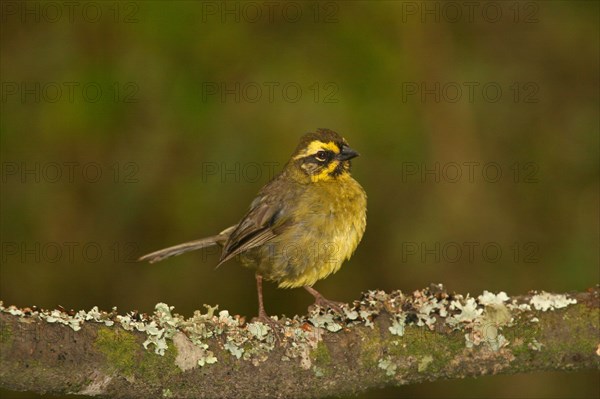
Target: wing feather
x=260 y=225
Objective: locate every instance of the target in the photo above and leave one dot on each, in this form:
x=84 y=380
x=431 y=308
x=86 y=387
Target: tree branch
x=381 y=340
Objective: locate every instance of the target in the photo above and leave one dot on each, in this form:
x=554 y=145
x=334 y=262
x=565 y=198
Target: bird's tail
x=175 y=250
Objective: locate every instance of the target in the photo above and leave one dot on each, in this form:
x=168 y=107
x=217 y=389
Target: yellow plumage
x=302 y=225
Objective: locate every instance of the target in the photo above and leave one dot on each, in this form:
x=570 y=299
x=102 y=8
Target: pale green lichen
x=210 y=359
x=499 y=341
x=535 y=345
x=426 y=307
x=497 y=314
x=424 y=362
x=388 y=365
x=397 y=327
x=234 y=349
x=318 y=372
x=70 y=319
x=258 y=330
x=367 y=317
x=350 y=314
x=547 y=301
x=156 y=337
x=468 y=312
x=326 y=321
x=489 y=298
x=486 y=329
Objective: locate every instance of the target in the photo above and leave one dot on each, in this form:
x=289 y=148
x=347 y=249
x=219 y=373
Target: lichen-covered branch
x=382 y=339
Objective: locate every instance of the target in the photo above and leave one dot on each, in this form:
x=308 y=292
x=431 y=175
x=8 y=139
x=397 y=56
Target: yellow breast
x=331 y=230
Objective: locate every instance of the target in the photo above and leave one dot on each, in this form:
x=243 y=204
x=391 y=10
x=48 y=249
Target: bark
x=382 y=340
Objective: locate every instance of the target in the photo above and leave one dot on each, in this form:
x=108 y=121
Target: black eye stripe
x=322 y=156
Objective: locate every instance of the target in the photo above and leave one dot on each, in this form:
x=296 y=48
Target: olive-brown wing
x=262 y=223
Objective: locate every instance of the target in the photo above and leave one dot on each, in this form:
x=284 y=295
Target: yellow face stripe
x=316 y=146
x=325 y=174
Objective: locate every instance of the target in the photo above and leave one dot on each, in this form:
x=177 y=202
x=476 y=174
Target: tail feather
x=175 y=250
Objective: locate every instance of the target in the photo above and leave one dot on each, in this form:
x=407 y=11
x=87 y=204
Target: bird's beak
x=346 y=154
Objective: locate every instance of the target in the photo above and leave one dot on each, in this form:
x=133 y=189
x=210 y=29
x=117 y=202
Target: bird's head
x=322 y=156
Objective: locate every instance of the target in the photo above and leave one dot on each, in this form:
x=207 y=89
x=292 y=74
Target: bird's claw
x=325 y=303
x=273 y=325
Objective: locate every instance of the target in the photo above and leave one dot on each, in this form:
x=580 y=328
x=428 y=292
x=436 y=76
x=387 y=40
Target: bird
x=301 y=226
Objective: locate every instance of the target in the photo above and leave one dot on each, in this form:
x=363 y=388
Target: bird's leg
x=323 y=302
x=262 y=315
x=261 y=307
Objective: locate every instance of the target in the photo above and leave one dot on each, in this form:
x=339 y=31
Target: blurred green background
x=127 y=127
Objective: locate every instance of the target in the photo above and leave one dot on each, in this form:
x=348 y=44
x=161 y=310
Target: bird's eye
x=321 y=156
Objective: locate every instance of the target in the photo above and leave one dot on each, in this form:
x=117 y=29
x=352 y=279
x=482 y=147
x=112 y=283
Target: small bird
x=301 y=226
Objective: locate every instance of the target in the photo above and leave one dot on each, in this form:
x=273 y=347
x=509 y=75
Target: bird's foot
x=273 y=324
x=325 y=303
x=329 y=304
